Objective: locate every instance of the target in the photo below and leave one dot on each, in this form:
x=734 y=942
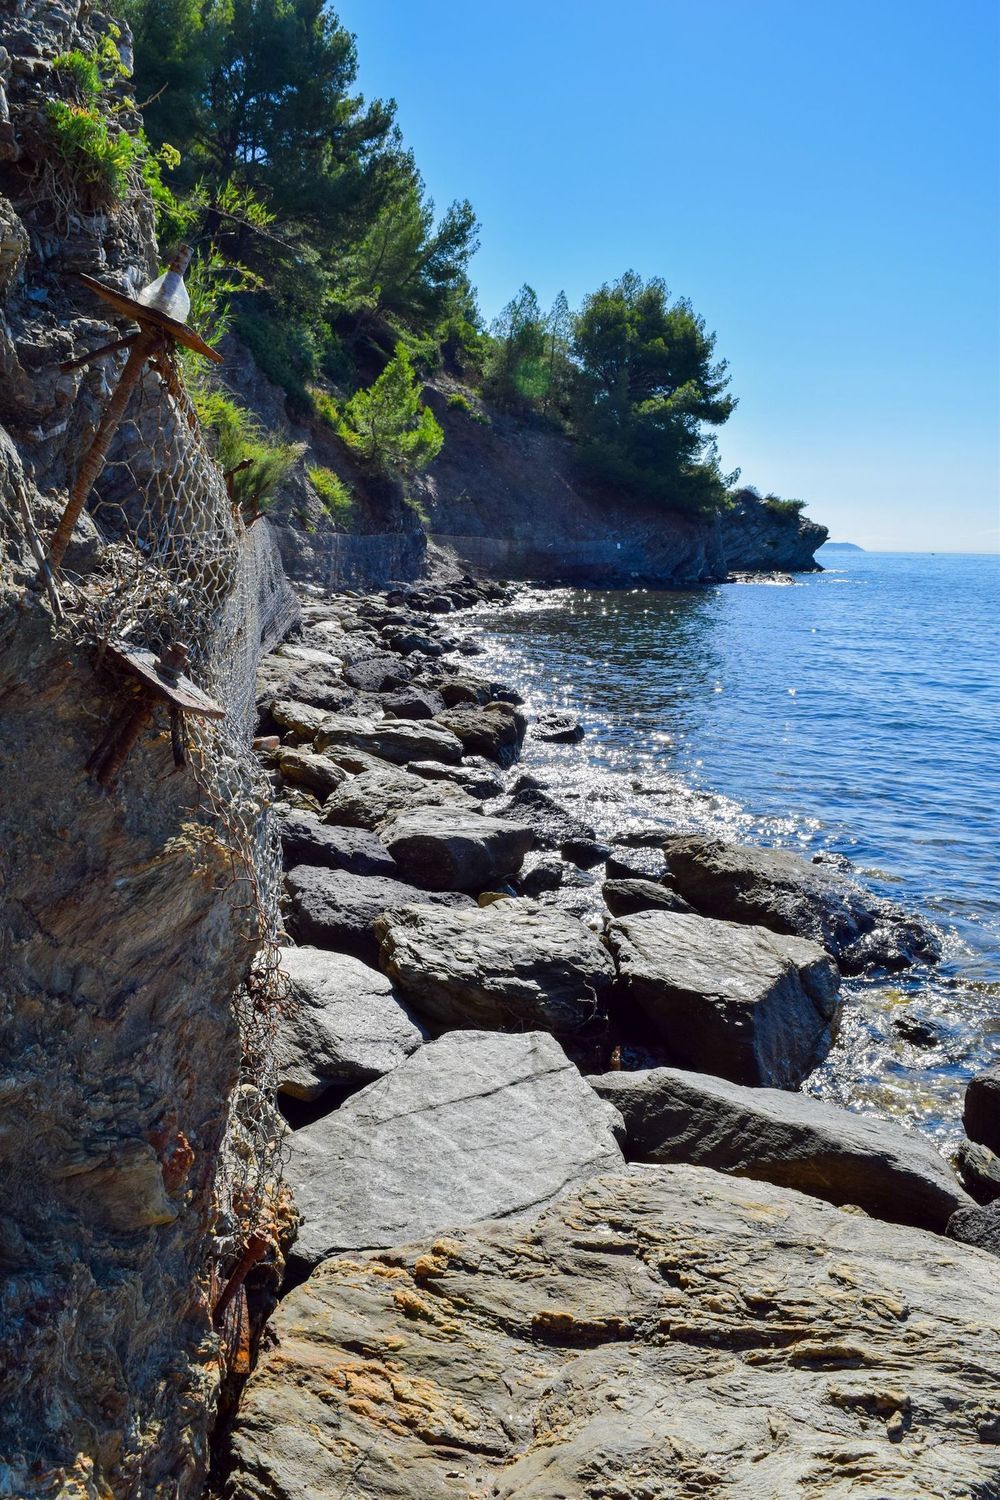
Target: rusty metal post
x=92 y=463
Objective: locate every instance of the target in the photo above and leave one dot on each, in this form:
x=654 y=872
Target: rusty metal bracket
x=157 y=679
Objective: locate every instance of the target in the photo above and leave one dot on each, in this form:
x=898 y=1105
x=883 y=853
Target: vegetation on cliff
x=355 y=272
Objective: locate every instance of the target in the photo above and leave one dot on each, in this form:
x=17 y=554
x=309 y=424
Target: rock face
x=789 y=1139
x=981 y=1115
x=774 y=888
x=741 y=1002
x=377 y=796
x=496 y=731
x=308 y=841
x=442 y=849
x=978 y=1226
x=394 y=740
x=664 y=1332
x=508 y=965
x=342 y=1024
x=473 y=1126
x=335 y=909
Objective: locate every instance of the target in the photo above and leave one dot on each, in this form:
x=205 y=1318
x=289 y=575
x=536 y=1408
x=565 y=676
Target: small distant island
x=843 y=546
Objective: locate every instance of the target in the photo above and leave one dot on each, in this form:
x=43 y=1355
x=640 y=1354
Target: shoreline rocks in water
x=748 y=1004
x=660 y=1330
x=789 y=1139
x=775 y=888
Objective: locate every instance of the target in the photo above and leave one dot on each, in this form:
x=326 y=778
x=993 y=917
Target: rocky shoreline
x=512 y=1045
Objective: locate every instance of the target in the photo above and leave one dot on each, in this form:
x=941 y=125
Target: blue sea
x=854 y=710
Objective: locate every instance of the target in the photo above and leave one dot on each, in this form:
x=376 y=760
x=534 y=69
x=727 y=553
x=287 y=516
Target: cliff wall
x=130 y=915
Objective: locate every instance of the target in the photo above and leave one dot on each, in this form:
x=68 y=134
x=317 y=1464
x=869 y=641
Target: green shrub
x=418 y=510
x=334 y=494
x=458 y=401
x=286 y=353
x=254 y=462
x=325 y=407
x=387 y=426
x=783 y=509
x=96 y=156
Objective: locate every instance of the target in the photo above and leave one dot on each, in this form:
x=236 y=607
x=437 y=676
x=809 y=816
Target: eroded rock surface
x=774 y=888
x=441 y=848
x=666 y=1332
x=742 y=1002
x=473 y=1126
x=508 y=965
x=336 y=909
x=791 y=1139
x=342 y=1023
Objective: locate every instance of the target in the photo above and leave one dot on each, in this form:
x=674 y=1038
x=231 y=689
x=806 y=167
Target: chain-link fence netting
x=180 y=566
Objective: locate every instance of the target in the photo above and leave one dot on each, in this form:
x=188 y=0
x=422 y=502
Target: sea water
x=854 y=710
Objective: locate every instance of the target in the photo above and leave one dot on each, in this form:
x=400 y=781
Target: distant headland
x=843 y=546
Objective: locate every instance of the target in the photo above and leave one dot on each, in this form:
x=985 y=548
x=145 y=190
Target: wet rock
x=448 y=849
x=555 y=827
x=981 y=1115
x=461 y=692
x=774 y=888
x=790 y=1139
x=979 y=1170
x=917 y=1030
x=625 y=897
x=473 y=1126
x=495 y=730
x=557 y=729
x=745 y=1003
x=979 y=1227
x=375 y=797
x=662 y=1332
x=408 y=641
x=636 y=864
x=509 y=965
x=306 y=840
x=394 y=740
x=303 y=768
x=342 y=1024
x=335 y=909
x=479 y=781
x=545 y=875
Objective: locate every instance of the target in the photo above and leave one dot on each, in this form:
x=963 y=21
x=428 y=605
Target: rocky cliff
x=131 y=912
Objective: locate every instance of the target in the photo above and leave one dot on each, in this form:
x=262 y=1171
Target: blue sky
x=820 y=177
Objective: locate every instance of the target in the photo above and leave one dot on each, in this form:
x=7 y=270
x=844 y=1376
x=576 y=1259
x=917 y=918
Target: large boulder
x=509 y=965
x=555 y=827
x=342 y=1024
x=335 y=909
x=748 y=1004
x=624 y=898
x=473 y=1126
x=376 y=796
x=476 y=778
x=981 y=1115
x=301 y=718
x=307 y=840
x=665 y=1333
x=495 y=730
x=448 y=849
x=315 y=772
x=790 y=1139
x=395 y=740
x=774 y=888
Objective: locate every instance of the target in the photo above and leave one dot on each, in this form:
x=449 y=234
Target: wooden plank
x=150 y=317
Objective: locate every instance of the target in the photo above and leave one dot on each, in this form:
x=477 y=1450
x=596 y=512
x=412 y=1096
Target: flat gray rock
x=662 y=1333
x=479 y=781
x=750 y=1005
x=337 y=910
x=374 y=797
x=473 y=1126
x=775 y=888
x=512 y=964
x=302 y=717
x=450 y=849
x=342 y=1024
x=888 y=1170
x=395 y=740
x=307 y=840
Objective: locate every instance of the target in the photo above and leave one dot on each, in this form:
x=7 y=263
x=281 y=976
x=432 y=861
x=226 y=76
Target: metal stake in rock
x=160 y=679
x=156 y=331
